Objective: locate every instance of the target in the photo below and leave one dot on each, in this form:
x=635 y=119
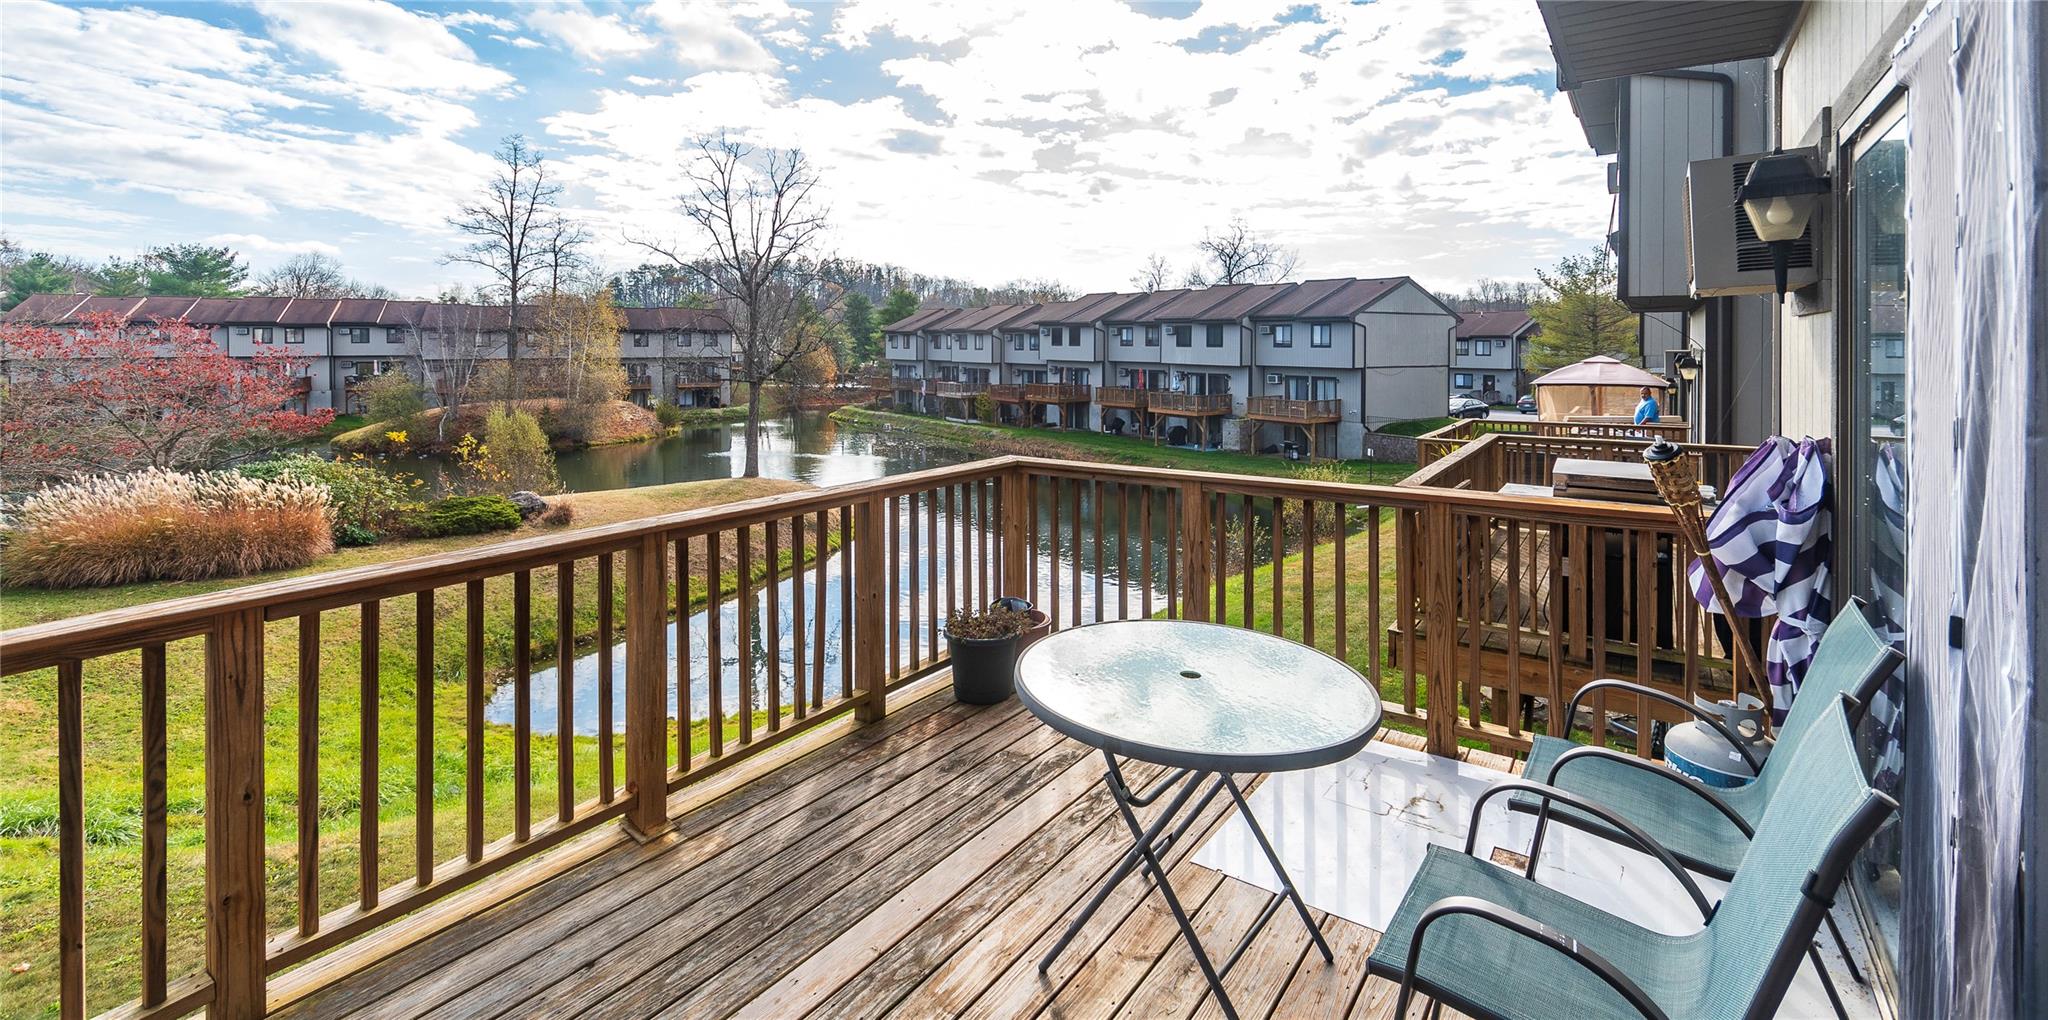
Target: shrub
x=985 y=409
x=367 y=502
x=511 y=455
x=668 y=414
x=163 y=525
x=559 y=514
x=392 y=397
x=466 y=515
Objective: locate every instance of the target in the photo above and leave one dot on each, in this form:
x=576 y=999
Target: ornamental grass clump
x=165 y=525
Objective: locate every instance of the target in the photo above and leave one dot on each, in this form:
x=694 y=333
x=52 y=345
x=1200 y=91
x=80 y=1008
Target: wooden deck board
x=918 y=868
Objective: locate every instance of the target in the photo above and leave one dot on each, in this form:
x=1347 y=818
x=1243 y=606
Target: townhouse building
x=683 y=355
x=1309 y=367
x=1489 y=355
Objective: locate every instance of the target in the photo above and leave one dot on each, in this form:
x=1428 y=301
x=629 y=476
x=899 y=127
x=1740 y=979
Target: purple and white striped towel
x=1773 y=536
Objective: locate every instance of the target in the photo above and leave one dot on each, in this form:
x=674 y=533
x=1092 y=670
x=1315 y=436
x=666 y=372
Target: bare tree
x=1157 y=274
x=562 y=245
x=1238 y=254
x=758 y=224
x=308 y=274
x=454 y=347
x=510 y=225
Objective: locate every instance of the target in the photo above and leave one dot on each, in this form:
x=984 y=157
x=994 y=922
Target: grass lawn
x=996 y=440
x=28 y=810
x=1416 y=427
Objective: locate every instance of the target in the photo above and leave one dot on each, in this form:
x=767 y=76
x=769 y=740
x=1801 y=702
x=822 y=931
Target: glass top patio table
x=1198 y=695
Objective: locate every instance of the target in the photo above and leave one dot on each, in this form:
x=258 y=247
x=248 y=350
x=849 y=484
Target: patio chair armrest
x=1634 y=832
x=1571 y=714
x=1528 y=928
x=1702 y=790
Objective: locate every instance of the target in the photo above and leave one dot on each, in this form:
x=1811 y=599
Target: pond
x=822 y=452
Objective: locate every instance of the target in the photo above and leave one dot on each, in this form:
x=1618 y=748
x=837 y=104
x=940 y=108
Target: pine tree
x=901 y=305
x=862 y=336
x=1581 y=317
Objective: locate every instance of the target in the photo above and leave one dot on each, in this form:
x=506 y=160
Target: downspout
x=1721 y=310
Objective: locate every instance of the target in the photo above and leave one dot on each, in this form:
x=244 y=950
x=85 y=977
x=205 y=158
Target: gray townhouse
x=677 y=354
x=1308 y=367
x=1489 y=355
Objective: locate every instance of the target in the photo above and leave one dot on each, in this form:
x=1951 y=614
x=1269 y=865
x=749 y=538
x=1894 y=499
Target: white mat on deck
x=1352 y=836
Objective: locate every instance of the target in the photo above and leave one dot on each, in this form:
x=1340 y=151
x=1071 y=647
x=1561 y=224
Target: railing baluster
x=873 y=704
x=1145 y=548
x=1097 y=514
x=1308 y=572
x=714 y=661
x=1645 y=546
x=743 y=632
x=771 y=628
x=798 y=567
x=565 y=690
x=522 y=706
x=1075 y=570
x=1278 y=578
x=646 y=676
x=846 y=663
x=369 y=797
x=1194 y=523
x=71 y=839
x=818 y=618
x=606 y=779
x=309 y=774
x=1218 y=512
x=684 y=708
x=931 y=577
x=473 y=675
x=1246 y=517
x=1340 y=587
x=904 y=567
x=984 y=540
x=155 y=825
x=1031 y=511
x=1123 y=551
x=423 y=737
x=952 y=521
x=1052 y=570
x=1375 y=638
x=1514 y=628
x=1175 y=599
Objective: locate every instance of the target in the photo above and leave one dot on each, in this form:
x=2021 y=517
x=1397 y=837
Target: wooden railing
x=954 y=388
x=1442 y=441
x=1283 y=409
x=1187 y=403
x=1119 y=396
x=1006 y=393
x=1057 y=393
x=1517 y=458
x=820 y=604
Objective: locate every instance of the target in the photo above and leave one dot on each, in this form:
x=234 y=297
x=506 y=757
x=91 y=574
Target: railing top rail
x=41 y=645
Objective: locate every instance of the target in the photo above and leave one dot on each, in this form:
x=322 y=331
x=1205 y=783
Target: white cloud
x=469 y=20
x=719 y=36
x=591 y=36
x=246 y=243
x=518 y=41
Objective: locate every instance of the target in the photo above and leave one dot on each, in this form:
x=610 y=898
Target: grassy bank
x=613 y=421
x=1099 y=447
x=28 y=812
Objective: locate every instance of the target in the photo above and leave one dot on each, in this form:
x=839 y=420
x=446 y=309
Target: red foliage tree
x=110 y=395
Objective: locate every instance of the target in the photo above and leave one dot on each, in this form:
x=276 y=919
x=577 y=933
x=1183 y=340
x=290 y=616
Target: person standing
x=1647 y=412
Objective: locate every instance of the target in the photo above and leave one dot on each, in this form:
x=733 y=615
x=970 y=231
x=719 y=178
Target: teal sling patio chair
x=1707 y=828
x=1488 y=942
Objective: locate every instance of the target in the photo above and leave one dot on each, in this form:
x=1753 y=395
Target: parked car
x=1467 y=407
x=1526 y=405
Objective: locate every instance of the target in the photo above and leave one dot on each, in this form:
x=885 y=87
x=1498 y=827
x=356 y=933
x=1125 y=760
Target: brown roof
x=357 y=311
x=211 y=311
x=1327 y=299
x=1508 y=323
x=697 y=319
x=1146 y=308
x=981 y=320
x=308 y=312
x=1020 y=317
x=923 y=318
x=164 y=308
x=1224 y=303
x=1086 y=308
x=44 y=308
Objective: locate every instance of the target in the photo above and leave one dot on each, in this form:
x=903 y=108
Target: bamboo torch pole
x=1672 y=471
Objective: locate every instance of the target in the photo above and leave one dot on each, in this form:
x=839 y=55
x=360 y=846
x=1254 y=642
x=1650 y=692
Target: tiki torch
x=1672 y=471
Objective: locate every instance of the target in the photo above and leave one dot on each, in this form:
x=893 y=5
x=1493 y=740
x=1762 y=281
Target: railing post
x=646 y=694
x=1017 y=513
x=870 y=640
x=1439 y=578
x=236 y=924
x=1194 y=552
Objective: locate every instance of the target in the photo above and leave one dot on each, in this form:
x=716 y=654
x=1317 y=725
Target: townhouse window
x=1283 y=335
x=1461 y=380
x=354 y=334
x=1016 y=341
x=1895 y=347
x=639 y=339
x=1464 y=348
x=979 y=340
x=1034 y=341
x=260 y=334
x=1482 y=348
x=1152 y=335
x=294 y=334
x=1183 y=336
x=1216 y=334
x=394 y=335
x=1123 y=336
x=1319 y=335
x=686 y=339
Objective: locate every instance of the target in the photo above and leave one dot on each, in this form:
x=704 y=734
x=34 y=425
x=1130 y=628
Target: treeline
x=173 y=270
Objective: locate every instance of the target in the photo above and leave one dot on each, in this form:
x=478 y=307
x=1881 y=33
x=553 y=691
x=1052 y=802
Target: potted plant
x=983 y=647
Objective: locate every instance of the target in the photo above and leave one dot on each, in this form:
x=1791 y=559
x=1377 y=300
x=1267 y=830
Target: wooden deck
x=917 y=868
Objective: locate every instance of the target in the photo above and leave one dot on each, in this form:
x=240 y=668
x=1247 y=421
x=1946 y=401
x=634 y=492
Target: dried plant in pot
x=983 y=647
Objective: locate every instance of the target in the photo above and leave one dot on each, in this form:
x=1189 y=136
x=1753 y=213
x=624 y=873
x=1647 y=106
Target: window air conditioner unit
x=1721 y=249
x=1272 y=378
x=1266 y=330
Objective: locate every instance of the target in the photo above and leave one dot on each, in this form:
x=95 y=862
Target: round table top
x=1198 y=695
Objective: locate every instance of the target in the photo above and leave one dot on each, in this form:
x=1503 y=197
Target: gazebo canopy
x=1597 y=386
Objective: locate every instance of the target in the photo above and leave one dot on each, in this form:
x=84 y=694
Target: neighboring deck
x=918 y=868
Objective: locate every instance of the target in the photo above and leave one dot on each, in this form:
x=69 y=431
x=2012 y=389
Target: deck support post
x=646 y=694
x=236 y=925
x=871 y=638
x=1017 y=553
x=1194 y=552
x=1439 y=577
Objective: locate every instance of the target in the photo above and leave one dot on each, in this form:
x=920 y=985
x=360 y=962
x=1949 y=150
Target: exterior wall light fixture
x=1779 y=197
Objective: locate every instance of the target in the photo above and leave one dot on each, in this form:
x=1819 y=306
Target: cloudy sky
x=1065 y=140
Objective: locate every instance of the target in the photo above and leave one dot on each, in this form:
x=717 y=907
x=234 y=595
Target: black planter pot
x=984 y=669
